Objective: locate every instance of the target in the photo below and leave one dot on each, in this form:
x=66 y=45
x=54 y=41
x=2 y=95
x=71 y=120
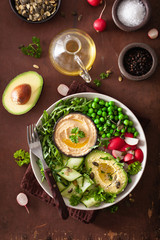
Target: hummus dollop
x=62 y=133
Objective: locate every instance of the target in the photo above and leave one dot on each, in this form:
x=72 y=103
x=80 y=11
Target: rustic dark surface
x=132 y=221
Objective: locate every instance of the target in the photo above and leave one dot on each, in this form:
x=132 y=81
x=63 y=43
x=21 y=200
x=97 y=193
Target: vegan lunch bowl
x=96 y=175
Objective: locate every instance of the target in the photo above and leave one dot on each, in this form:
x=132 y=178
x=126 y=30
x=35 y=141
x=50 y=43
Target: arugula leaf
x=22 y=157
x=33 y=49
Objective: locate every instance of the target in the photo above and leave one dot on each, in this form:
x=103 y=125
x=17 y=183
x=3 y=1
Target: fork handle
x=60 y=204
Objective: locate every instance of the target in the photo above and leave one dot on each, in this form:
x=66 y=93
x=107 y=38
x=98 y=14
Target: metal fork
x=35 y=147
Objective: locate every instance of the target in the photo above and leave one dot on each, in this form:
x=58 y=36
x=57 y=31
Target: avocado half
x=35 y=83
x=106 y=171
x=63 y=146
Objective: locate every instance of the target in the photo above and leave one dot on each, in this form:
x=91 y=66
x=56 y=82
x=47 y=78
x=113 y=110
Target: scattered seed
x=118 y=184
x=108 y=72
x=120 y=79
x=35 y=66
x=92 y=175
x=80 y=17
x=69 y=191
x=95 y=164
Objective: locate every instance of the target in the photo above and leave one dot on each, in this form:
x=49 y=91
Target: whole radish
x=94 y=2
x=116 y=143
x=138 y=155
x=100 y=24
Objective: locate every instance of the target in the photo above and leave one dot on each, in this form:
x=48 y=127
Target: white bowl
x=142 y=144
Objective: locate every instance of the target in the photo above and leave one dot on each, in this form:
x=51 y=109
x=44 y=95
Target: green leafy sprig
x=22 y=157
x=33 y=49
x=76 y=134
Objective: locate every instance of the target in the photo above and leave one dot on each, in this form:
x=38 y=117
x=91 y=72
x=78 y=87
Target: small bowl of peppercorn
x=137 y=61
x=35 y=11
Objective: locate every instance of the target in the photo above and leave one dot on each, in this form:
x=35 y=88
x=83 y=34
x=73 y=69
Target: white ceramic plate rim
x=142 y=145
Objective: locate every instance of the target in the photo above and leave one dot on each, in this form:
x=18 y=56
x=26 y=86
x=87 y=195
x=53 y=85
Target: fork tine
x=28 y=134
x=35 y=133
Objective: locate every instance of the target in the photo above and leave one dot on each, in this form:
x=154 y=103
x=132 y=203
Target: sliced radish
x=131 y=151
x=116 y=143
x=138 y=155
x=128 y=157
x=131 y=141
x=153 y=33
x=22 y=200
x=118 y=154
x=63 y=89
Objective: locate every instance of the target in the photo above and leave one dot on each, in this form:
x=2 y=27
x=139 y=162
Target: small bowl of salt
x=131 y=15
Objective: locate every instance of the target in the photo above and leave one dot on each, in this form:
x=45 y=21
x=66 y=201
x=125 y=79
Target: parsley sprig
x=21 y=157
x=76 y=134
x=33 y=49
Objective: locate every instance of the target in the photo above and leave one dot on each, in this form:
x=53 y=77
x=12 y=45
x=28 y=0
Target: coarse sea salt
x=131 y=12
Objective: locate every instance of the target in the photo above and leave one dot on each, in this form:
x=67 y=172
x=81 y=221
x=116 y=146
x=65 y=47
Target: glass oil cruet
x=72 y=52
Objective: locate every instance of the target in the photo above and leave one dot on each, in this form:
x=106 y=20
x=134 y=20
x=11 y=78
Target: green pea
x=97 y=116
x=90 y=105
x=116 y=118
x=111 y=108
x=103 y=135
x=106 y=104
x=125 y=117
x=98 y=125
x=94 y=105
x=111 y=117
x=126 y=122
x=130 y=123
x=129 y=129
x=102 y=119
x=104 y=114
x=113 y=126
x=108 y=135
x=96 y=121
x=93 y=115
x=136 y=134
x=119 y=109
x=104 y=109
x=90 y=110
x=85 y=109
x=99 y=112
x=116 y=134
x=102 y=102
x=100 y=128
x=121 y=117
x=111 y=131
x=123 y=130
x=111 y=103
x=96 y=100
x=133 y=129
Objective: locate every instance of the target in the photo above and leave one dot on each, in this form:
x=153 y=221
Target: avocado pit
x=21 y=94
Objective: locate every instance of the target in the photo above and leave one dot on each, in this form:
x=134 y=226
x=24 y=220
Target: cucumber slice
x=60 y=186
x=64 y=159
x=90 y=202
x=84 y=183
x=74 y=162
x=69 y=174
x=69 y=191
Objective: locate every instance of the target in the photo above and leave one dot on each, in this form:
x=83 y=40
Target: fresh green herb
x=103 y=75
x=105 y=158
x=109 y=176
x=134 y=168
x=39 y=163
x=76 y=134
x=74 y=200
x=22 y=157
x=33 y=49
x=97 y=82
x=113 y=208
x=121 y=164
x=77 y=189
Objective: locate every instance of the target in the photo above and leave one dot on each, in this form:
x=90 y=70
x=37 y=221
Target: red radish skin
x=127 y=134
x=128 y=157
x=116 y=143
x=138 y=155
x=94 y=3
x=127 y=147
x=100 y=24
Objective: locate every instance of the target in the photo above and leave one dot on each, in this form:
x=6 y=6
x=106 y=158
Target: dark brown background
x=138 y=220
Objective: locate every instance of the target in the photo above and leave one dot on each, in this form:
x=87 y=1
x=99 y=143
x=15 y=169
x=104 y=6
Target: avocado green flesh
x=34 y=80
x=107 y=173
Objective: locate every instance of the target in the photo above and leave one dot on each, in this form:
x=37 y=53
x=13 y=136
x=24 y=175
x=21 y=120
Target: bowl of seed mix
x=137 y=61
x=35 y=11
x=131 y=15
